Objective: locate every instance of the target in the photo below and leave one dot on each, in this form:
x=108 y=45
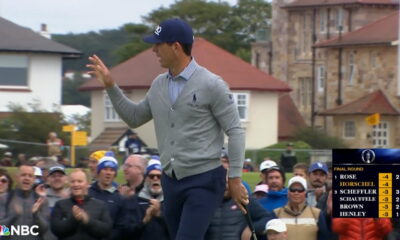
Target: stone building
x=337 y=55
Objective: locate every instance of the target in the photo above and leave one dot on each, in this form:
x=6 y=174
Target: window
x=380 y=135
x=339 y=19
x=13 y=70
x=110 y=115
x=349 y=129
x=321 y=78
x=242 y=103
x=322 y=20
x=352 y=68
x=304 y=92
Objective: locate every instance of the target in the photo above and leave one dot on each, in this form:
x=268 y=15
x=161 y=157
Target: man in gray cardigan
x=191 y=108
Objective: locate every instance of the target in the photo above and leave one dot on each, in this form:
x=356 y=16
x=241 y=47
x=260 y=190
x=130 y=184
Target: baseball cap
x=8 y=154
x=276 y=225
x=57 y=168
x=318 y=166
x=153 y=165
x=261 y=188
x=267 y=164
x=298 y=179
x=171 y=30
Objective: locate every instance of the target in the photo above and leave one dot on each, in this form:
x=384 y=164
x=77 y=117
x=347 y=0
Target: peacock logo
x=4 y=231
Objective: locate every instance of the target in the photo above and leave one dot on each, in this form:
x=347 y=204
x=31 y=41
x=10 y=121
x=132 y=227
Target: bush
x=274 y=152
x=317 y=139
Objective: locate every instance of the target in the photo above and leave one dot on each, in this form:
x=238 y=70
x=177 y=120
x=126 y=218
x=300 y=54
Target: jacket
x=131 y=223
x=229 y=222
x=274 y=199
x=307 y=224
x=64 y=225
x=26 y=201
x=190 y=132
x=361 y=228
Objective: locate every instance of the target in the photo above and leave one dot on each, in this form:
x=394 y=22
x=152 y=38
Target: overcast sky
x=79 y=16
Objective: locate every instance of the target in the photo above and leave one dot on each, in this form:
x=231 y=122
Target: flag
x=373 y=119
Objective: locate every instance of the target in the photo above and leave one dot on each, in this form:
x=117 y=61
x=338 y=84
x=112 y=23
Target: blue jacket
x=229 y=222
x=113 y=201
x=274 y=199
x=131 y=222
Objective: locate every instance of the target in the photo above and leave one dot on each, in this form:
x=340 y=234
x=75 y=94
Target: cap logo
x=319 y=165
x=158 y=30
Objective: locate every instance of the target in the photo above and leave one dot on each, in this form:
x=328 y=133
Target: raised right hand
x=100 y=70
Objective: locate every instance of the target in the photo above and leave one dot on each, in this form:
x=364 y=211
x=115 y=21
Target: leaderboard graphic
x=366 y=183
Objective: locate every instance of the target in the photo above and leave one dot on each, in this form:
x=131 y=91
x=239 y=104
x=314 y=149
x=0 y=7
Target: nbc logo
x=4 y=231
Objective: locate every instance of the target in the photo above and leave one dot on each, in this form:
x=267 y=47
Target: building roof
x=15 y=38
x=322 y=3
x=140 y=70
x=383 y=31
x=375 y=102
x=289 y=118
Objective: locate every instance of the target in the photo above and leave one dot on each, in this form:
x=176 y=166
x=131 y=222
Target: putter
x=250 y=223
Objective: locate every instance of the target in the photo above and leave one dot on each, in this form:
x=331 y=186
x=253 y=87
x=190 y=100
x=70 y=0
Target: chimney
x=44 y=32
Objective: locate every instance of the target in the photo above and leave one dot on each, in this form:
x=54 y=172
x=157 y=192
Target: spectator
x=134 y=168
x=106 y=190
x=38 y=177
x=44 y=165
x=80 y=216
x=56 y=188
x=21 y=159
x=143 y=218
x=6 y=183
x=277 y=193
x=83 y=162
x=260 y=191
x=362 y=228
x=64 y=162
x=317 y=176
x=54 y=145
x=225 y=163
x=302 y=221
x=264 y=166
x=276 y=230
x=133 y=144
x=288 y=159
x=6 y=161
x=301 y=169
x=25 y=207
x=229 y=223
x=93 y=161
x=248 y=167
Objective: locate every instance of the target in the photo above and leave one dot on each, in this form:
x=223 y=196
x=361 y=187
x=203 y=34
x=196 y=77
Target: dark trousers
x=190 y=203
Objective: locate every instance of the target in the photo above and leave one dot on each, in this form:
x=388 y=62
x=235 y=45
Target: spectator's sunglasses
x=4 y=180
x=299 y=190
x=152 y=176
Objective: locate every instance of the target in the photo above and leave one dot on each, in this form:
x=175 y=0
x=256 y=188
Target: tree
x=31 y=125
x=232 y=28
x=70 y=93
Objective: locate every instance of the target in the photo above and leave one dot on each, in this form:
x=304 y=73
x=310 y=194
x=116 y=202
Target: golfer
x=191 y=108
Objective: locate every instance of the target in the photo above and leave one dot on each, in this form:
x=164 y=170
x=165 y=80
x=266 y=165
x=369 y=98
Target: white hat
x=38 y=171
x=261 y=188
x=276 y=225
x=267 y=164
x=298 y=179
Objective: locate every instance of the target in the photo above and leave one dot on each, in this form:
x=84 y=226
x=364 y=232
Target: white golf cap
x=276 y=225
x=267 y=164
x=298 y=179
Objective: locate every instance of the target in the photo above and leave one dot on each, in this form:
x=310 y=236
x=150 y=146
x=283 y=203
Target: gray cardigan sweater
x=190 y=132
